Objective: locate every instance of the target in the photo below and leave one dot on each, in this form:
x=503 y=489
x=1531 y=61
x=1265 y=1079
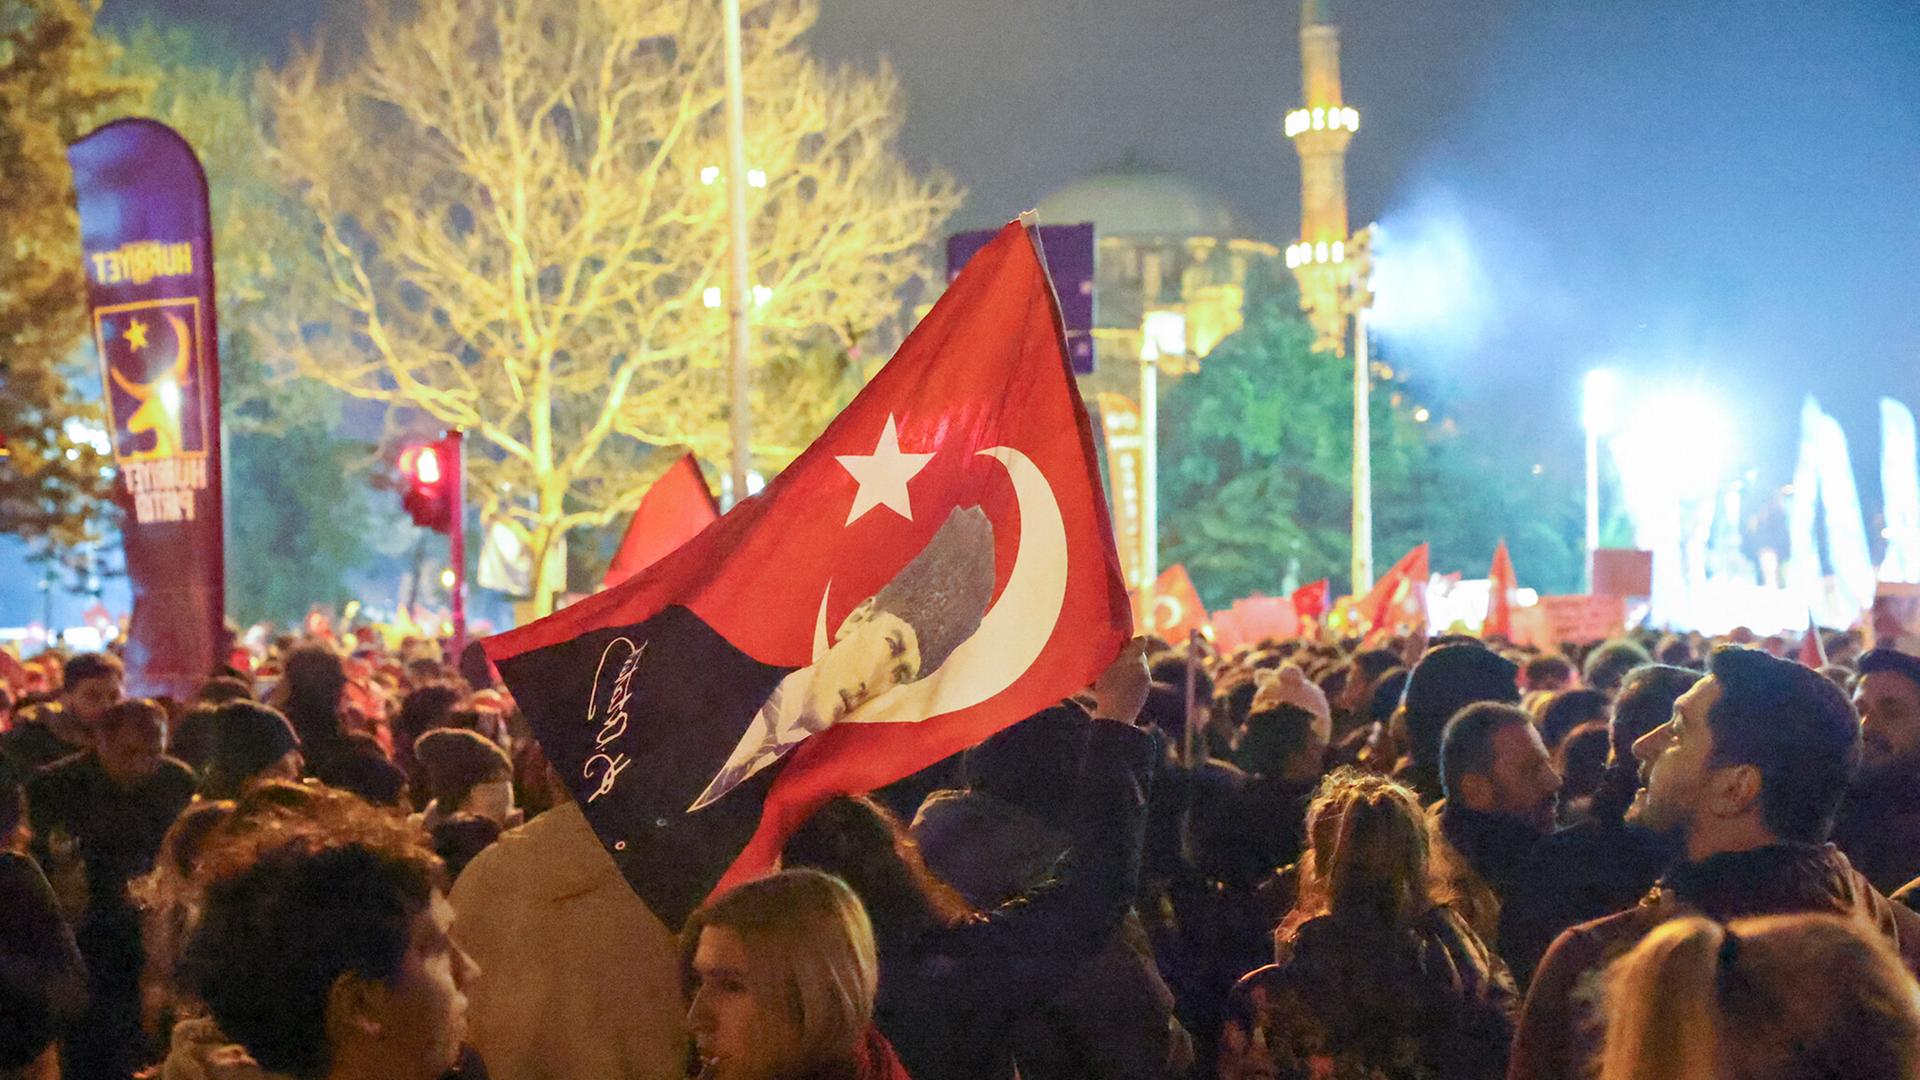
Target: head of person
x=781 y=974
x=1552 y=672
x=1284 y=742
x=1367 y=850
x=1362 y=675
x=1033 y=764
x=862 y=843
x=1493 y=761
x=457 y=839
x=130 y=738
x=1645 y=701
x=90 y=685
x=1759 y=751
x=1446 y=680
x=362 y=767
x=1783 y=997
x=1568 y=710
x=1608 y=665
x=467 y=772
x=223 y=688
x=1581 y=761
x=905 y=631
x=251 y=742
x=1888 y=697
x=310 y=688
x=424 y=709
x=323 y=948
x=1387 y=692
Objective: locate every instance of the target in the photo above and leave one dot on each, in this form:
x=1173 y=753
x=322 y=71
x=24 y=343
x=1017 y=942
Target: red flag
x=1310 y=601
x=1501 y=584
x=1177 y=609
x=1404 y=585
x=936 y=566
x=1813 y=651
x=672 y=512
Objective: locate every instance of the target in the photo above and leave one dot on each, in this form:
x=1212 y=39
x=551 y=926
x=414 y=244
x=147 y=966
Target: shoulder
x=1589 y=945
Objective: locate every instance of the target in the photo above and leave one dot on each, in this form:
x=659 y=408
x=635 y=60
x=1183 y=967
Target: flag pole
x=739 y=293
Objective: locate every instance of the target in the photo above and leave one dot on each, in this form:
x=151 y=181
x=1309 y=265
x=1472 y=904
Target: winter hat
x=248 y=737
x=1289 y=685
x=943 y=593
x=459 y=760
x=1447 y=680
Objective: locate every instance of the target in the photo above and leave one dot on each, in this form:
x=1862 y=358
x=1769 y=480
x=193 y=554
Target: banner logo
x=151 y=359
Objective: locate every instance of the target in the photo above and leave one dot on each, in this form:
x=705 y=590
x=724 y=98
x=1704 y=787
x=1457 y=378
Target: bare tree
x=522 y=227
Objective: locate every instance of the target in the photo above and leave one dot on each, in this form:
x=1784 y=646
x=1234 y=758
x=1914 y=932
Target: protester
x=90 y=685
x=1551 y=673
x=98 y=819
x=251 y=742
x=1501 y=791
x=783 y=973
x=1568 y=710
x=1788 y=997
x=466 y=773
x=953 y=981
x=1607 y=666
x=1879 y=823
x=1748 y=774
x=43 y=981
x=577 y=977
x=362 y=767
x=1000 y=837
x=1446 y=680
x=1581 y=761
x=1375 y=977
x=424 y=709
x=323 y=950
x=1604 y=864
x=309 y=695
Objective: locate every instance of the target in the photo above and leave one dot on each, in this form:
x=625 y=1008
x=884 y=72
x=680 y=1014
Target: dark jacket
x=1432 y=1003
x=1588 y=871
x=949 y=999
x=1114 y=1016
x=43 y=984
x=1558 y=1035
x=1879 y=829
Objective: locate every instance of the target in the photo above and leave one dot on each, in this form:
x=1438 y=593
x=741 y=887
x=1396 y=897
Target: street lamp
x=1599 y=409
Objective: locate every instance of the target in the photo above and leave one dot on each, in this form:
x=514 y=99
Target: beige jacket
x=578 y=980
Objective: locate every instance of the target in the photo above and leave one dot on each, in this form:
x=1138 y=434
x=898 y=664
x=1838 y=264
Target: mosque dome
x=1136 y=202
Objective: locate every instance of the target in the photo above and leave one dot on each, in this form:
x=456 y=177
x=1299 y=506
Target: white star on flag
x=883 y=475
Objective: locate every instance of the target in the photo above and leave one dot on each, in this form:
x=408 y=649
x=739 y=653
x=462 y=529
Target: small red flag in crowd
x=1404 y=585
x=1500 y=588
x=1177 y=610
x=1310 y=601
x=939 y=564
x=1813 y=651
x=673 y=511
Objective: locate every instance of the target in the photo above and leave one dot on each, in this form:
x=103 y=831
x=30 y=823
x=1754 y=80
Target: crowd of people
x=1659 y=857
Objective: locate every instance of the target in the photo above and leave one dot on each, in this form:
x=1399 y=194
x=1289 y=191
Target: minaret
x=1320 y=132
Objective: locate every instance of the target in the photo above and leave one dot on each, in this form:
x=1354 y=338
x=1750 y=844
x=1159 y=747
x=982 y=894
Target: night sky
x=1727 y=192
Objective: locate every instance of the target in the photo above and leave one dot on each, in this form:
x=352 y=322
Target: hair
x=84 y=666
x=145 y=711
x=421 y=711
x=1274 y=736
x=1171 y=668
x=460 y=837
x=1387 y=693
x=1568 y=710
x=1609 y=664
x=221 y=689
x=315 y=678
x=1373 y=663
x=1367 y=853
x=811 y=955
x=1467 y=747
x=1552 y=668
x=1785 y=997
x=291 y=906
x=362 y=768
x=1581 y=760
x=169 y=900
x=863 y=844
x=1795 y=727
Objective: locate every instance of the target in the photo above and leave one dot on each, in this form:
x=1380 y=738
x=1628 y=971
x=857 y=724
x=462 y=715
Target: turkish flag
x=673 y=511
x=936 y=566
x=1310 y=601
x=1402 y=588
x=1501 y=584
x=1177 y=610
x=1813 y=651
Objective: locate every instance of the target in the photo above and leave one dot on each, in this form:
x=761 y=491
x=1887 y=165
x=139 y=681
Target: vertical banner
x=1126 y=462
x=147 y=245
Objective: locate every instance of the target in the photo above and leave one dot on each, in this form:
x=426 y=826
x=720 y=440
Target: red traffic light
x=431 y=497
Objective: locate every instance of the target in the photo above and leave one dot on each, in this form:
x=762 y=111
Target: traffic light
x=430 y=474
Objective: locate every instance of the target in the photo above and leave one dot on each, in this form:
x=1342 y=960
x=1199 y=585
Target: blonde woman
x=1375 y=978
x=782 y=973
x=1784 y=997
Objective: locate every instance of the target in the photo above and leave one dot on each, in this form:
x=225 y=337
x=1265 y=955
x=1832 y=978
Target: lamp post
x=739 y=295
x=1358 y=299
x=1599 y=396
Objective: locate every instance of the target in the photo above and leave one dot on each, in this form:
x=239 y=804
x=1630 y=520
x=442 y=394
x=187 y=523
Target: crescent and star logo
x=928 y=644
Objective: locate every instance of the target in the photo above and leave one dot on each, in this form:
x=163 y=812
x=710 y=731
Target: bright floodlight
x=1600 y=401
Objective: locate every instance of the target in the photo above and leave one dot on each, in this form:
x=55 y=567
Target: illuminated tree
x=54 y=87
x=522 y=223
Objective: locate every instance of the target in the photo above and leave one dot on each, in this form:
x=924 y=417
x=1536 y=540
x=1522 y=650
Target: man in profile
x=900 y=635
